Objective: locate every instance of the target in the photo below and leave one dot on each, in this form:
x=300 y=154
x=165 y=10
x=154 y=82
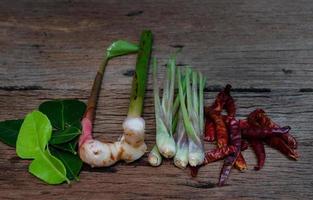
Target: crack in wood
x=287 y=71
x=200 y=185
x=20 y=88
x=177 y=46
x=134 y=13
x=129 y=73
x=99 y=169
x=306 y=90
x=251 y=89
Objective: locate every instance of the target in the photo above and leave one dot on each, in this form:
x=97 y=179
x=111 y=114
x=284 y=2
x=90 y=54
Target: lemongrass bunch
x=192 y=113
x=164 y=110
x=131 y=145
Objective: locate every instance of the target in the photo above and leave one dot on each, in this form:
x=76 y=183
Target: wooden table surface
x=51 y=49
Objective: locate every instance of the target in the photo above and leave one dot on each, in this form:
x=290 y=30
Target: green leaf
x=33 y=136
x=65 y=116
x=119 y=48
x=32 y=143
x=71 y=162
x=69 y=146
x=48 y=168
x=9 y=131
x=63 y=113
x=64 y=136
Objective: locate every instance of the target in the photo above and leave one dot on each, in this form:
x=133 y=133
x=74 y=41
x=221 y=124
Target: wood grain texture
x=51 y=49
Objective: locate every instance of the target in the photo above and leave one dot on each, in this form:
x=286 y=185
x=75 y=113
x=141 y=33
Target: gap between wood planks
x=214 y=88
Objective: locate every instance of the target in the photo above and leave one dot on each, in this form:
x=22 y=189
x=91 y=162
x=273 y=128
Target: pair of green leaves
x=32 y=142
x=49 y=136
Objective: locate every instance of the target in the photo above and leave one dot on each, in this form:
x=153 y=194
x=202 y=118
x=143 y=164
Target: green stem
x=140 y=77
x=201 y=102
x=93 y=98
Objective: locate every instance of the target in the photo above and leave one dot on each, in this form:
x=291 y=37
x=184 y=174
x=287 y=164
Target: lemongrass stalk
x=195 y=97
x=191 y=122
x=131 y=145
x=155 y=158
x=201 y=103
x=164 y=112
x=181 y=156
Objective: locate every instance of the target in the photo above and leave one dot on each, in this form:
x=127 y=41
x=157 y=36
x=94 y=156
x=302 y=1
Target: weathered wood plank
x=258 y=46
x=51 y=49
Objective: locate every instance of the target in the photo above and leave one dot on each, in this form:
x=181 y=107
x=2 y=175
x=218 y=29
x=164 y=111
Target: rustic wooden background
x=51 y=49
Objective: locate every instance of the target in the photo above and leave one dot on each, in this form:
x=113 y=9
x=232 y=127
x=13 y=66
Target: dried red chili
x=261 y=133
x=209 y=134
x=259 y=118
x=259 y=150
x=230 y=108
x=235 y=140
x=240 y=163
x=290 y=140
x=244 y=145
x=220 y=153
x=279 y=144
x=220 y=129
x=285 y=144
x=213 y=113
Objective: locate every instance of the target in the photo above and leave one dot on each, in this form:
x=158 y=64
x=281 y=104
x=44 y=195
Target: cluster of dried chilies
x=233 y=136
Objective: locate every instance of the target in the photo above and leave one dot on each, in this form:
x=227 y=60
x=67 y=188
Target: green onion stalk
x=131 y=145
x=193 y=113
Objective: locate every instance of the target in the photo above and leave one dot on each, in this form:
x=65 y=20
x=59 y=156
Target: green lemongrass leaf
x=172 y=69
x=72 y=163
x=176 y=106
x=188 y=125
x=201 y=103
x=66 y=135
x=141 y=74
x=9 y=130
x=157 y=104
x=63 y=113
x=166 y=88
x=168 y=93
x=174 y=124
x=68 y=147
x=195 y=99
x=188 y=72
x=121 y=47
x=32 y=143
